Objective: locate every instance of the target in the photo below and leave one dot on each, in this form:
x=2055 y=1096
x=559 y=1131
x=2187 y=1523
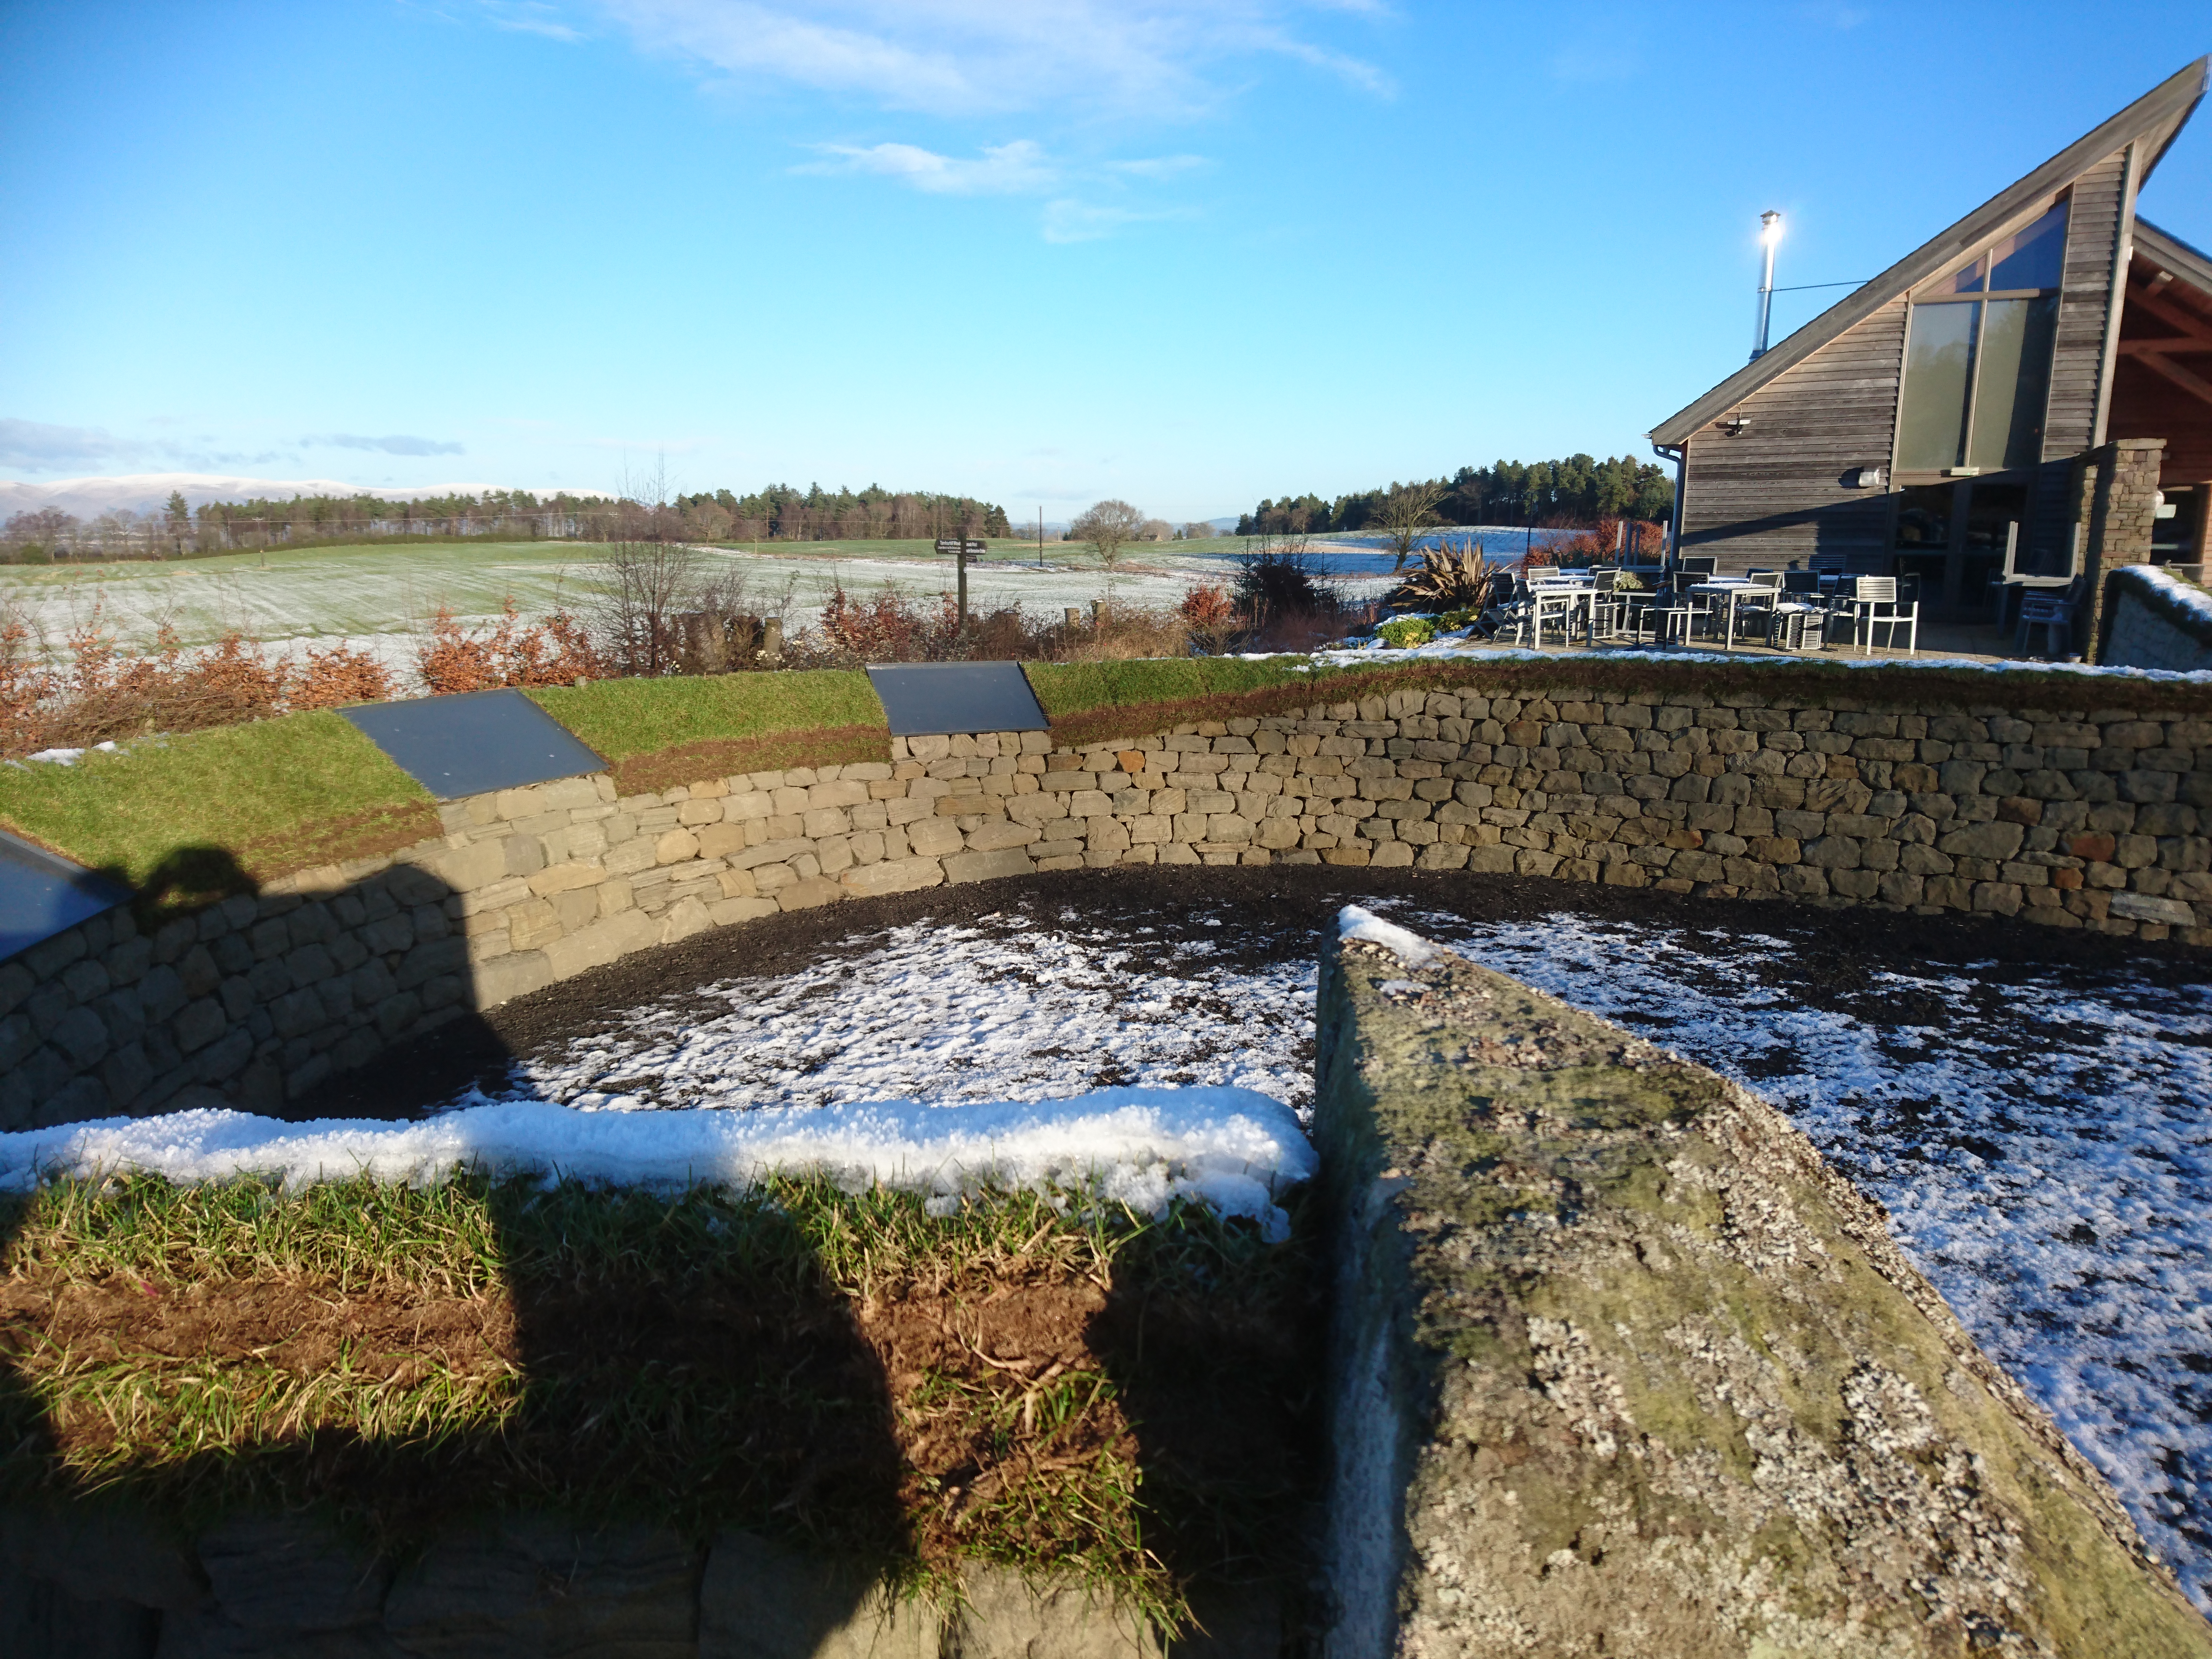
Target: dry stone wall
x=87 y=1582
x=2145 y=625
x=2069 y=818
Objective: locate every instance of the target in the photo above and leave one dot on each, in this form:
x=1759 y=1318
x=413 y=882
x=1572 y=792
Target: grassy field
x=1058 y=1385
x=184 y=818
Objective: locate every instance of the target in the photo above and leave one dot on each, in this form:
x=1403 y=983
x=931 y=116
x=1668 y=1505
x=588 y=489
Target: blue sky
x=1190 y=254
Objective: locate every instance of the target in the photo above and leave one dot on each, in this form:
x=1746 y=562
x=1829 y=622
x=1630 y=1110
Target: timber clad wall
x=2075 y=817
x=1775 y=491
x=2077 y=360
x=2092 y=228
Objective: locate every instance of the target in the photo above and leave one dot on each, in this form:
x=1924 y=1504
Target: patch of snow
x=1367 y=651
x=1410 y=948
x=69 y=757
x=1231 y=1148
x=996 y=1010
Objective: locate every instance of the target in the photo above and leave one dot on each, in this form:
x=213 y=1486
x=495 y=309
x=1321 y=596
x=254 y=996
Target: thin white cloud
x=1069 y=220
x=531 y=17
x=42 y=447
x=1019 y=168
x=398 y=443
x=970 y=57
x=1159 y=167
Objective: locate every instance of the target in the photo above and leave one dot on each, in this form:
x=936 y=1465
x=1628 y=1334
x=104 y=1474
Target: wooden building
x=2022 y=386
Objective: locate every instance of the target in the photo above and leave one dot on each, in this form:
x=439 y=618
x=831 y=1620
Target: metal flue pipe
x=1770 y=233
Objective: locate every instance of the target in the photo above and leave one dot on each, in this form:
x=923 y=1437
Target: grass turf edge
x=702 y=1358
x=1086 y=708
x=189 y=818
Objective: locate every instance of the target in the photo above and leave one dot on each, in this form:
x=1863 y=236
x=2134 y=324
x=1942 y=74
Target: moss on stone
x=1663 y=1383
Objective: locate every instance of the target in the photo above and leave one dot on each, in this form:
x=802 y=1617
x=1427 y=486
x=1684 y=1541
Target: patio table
x=1731 y=588
x=1566 y=598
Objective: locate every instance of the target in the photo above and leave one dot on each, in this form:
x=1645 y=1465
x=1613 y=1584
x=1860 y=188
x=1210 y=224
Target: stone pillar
x=2122 y=512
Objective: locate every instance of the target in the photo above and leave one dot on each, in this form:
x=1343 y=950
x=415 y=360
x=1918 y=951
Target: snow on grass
x=2185 y=594
x=1016 y=1012
x=2041 y=1145
x=1230 y=1148
x=1468 y=645
x=937 y=1058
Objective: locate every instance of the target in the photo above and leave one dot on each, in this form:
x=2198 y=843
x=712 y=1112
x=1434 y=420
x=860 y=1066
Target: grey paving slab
x=42 y=895
x=926 y=698
x=474 y=743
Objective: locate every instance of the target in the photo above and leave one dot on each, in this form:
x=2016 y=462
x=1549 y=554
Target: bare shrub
x=643 y=586
x=1209 y=613
x=1122 y=633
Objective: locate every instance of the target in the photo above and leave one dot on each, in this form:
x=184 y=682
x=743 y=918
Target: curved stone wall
x=2076 y=817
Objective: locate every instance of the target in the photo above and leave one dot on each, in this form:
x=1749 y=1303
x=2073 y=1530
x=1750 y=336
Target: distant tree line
x=778 y=512
x=782 y=513
x=1578 y=490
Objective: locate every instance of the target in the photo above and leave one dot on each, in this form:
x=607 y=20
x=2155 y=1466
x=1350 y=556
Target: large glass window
x=1939 y=360
x=1977 y=355
x=2012 y=381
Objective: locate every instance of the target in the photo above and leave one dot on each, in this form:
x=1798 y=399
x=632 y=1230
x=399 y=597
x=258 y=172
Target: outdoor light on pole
x=1770 y=233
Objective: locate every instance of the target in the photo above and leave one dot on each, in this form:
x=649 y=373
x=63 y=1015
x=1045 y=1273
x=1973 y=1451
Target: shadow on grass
x=597 y=1389
x=583 y=1388
x=439 y=1415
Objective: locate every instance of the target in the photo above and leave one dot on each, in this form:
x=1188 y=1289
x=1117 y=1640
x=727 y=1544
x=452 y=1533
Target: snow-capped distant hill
x=143 y=492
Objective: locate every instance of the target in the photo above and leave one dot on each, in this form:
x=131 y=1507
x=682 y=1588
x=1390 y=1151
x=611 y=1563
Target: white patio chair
x=1874 y=604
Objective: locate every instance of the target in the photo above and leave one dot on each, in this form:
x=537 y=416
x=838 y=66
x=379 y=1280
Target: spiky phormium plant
x=1447 y=578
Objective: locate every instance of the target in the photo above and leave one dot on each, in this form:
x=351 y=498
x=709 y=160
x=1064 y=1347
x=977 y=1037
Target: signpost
x=962 y=548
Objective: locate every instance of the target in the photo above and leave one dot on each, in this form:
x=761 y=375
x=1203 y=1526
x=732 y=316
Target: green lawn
x=1067 y=690
x=662 y=731
x=190 y=817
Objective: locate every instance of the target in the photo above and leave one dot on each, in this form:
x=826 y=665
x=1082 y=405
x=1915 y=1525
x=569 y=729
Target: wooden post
x=772 y=641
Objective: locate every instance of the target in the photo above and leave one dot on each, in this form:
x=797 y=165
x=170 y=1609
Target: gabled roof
x=2193 y=264
x=2157 y=116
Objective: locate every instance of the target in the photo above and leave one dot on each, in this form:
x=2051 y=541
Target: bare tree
x=646 y=580
x=1404 y=512
x=1110 y=526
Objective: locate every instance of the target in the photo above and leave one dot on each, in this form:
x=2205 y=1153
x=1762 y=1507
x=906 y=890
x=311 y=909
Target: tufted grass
x=199 y=815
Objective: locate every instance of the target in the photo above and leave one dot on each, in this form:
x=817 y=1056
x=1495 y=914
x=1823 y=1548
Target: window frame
x=1918 y=296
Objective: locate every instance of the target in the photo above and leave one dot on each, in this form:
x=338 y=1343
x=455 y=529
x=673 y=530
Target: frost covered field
x=382 y=597
x=2039 y=1137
